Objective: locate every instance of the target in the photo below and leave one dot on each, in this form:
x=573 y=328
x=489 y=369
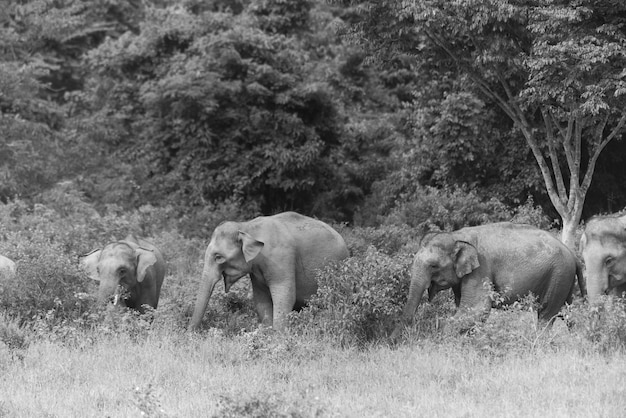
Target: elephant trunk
x=597 y=285
x=419 y=284
x=210 y=277
x=107 y=291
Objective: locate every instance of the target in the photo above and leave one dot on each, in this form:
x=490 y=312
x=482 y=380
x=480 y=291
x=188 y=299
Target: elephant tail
x=582 y=282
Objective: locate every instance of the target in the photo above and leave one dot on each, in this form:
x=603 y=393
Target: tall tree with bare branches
x=555 y=68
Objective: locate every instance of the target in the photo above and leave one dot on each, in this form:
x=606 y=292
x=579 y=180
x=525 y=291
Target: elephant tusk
x=116 y=299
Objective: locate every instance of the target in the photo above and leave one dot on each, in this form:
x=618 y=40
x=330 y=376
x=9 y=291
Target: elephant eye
x=609 y=261
x=122 y=271
x=219 y=259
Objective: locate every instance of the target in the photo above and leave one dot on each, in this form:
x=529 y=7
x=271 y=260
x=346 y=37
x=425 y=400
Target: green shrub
x=48 y=282
x=529 y=213
x=431 y=318
x=232 y=312
x=602 y=325
x=358 y=300
x=509 y=329
x=13 y=337
x=446 y=209
x=389 y=239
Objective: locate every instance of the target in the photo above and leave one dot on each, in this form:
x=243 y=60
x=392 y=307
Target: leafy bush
x=431 y=318
x=389 y=239
x=602 y=325
x=48 y=282
x=12 y=336
x=358 y=300
x=446 y=209
x=232 y=312
x=531 y=214
x=511 y=329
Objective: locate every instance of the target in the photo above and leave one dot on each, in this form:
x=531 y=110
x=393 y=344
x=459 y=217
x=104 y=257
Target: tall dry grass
x=176 y=374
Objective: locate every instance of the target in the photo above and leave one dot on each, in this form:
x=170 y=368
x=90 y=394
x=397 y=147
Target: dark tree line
x=271 y=105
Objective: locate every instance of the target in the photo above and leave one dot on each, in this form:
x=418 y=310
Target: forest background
x=165 y=117
x=251 y=108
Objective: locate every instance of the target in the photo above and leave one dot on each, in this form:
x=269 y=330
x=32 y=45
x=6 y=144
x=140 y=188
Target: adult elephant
x=7 y=267
x=511 y=259
x=280 y=253
x=603 y=247
x=130 y=271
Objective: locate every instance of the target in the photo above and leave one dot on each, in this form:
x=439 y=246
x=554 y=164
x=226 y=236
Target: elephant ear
x=465 y=258
x=145 y=259
x=250 y=246
x=89 y=263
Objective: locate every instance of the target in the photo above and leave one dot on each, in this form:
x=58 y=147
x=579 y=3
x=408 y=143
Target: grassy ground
x=61 y=357
x=175 y=374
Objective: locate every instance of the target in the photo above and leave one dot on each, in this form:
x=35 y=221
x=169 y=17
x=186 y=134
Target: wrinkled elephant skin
x=511 y=259
x=280 y=253
x=603 y=247
x=130 y=272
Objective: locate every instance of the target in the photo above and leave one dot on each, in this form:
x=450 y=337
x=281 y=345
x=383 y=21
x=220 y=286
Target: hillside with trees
x=349 y=113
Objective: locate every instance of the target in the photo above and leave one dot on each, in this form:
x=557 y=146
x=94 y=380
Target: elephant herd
x=281 y=254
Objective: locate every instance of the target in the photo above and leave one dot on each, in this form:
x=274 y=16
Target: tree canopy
x=350 y=111
x=555 y=68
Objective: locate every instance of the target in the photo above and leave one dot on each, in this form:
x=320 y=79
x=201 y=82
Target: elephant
x=7 y=267
x=511 y=259
x=280 y=253
x=603 y=247
x=130 y=271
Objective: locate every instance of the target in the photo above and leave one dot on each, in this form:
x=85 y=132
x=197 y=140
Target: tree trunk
x=568 y=234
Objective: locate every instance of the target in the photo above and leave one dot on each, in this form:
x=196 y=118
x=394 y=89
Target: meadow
x=63 y=356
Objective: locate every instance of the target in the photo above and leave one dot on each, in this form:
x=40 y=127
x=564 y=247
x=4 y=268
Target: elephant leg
x=284 y=298
x=262 y=303
x=475 y=301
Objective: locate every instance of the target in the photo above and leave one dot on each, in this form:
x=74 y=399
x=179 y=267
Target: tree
x=555 y=68
x=41 y=73
x=215 y=106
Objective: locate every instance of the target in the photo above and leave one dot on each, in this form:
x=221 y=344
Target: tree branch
x=575 y=197
x=554 y=159
x=596 y=153
x=482 y=85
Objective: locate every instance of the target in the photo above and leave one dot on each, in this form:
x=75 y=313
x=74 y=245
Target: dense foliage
x=257 y=106
x=553 y=70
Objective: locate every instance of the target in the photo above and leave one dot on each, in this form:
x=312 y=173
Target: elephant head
x=228 y=256
x=440 y=263
x=119 y=267
x=603 y=247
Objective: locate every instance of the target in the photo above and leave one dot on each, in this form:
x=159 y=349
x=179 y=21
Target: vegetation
x=60 y=354
x=555 y=69
x=163 y=118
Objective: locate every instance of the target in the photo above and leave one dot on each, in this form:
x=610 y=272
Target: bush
x=529 y=213
x=388 y=239
x=358 y=300
x=232 y=312
x=446 y=210
x=12 y=337
x=602 y=325
x=48 y=282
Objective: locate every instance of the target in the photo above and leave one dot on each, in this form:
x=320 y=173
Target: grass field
x=168 y=373
x=61 y=356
